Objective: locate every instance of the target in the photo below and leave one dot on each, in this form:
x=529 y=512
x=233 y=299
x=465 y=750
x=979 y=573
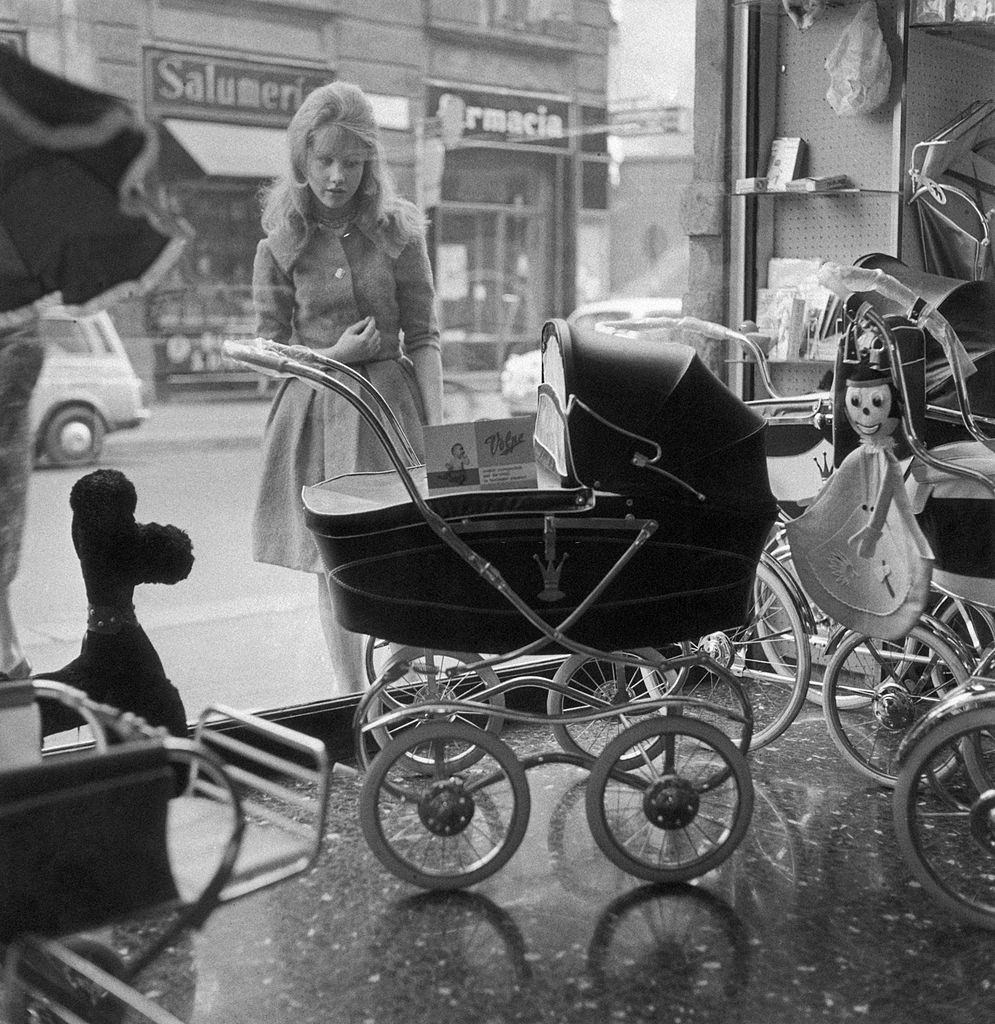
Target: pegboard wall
x=945 y=75
x=864 y=147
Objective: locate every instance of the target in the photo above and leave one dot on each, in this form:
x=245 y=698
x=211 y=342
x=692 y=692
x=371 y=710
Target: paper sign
x=452 y=273
x=484 y=455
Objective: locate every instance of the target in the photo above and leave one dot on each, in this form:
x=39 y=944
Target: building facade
x=493 y=115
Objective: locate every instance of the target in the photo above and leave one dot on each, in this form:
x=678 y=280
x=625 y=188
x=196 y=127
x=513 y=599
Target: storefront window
x=517 y=133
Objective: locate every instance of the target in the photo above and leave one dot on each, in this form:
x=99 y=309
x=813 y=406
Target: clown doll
x=858 y=549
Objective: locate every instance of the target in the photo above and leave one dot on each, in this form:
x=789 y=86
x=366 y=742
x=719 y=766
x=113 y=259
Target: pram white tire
x=429 y=680
x=897 y=682
x=773 y=659
x=398 y=805
x=622 y=806
x=954 y=862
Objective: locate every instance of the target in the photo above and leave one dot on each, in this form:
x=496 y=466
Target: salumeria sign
x=192 y=85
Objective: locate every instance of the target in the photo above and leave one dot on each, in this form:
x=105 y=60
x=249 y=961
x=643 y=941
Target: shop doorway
x=493 y=283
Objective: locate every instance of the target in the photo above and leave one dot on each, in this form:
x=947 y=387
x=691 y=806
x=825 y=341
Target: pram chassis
x=874 y=689
x=466 y=763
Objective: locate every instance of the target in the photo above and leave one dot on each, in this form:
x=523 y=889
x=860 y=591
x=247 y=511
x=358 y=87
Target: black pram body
x=607 y=402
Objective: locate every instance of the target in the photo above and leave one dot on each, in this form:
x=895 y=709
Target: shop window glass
x=522 y=231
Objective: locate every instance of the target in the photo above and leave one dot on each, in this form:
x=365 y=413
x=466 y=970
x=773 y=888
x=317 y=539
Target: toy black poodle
x=117 y=664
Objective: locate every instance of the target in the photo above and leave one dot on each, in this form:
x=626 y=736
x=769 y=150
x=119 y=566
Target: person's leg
x=13 y=664
x=345 y=649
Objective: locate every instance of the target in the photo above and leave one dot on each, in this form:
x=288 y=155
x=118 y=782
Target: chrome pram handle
x=309 y=357
x=810 y=404
x=844 y=281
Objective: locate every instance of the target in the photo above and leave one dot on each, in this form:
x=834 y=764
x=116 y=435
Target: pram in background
x=953 y=181
x=577 y=566
x=876 y=689
x=144 y=835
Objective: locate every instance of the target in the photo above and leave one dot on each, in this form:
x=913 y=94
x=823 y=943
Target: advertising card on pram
x=483 y=455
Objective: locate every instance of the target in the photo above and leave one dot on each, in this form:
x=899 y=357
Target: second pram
x=645 y=531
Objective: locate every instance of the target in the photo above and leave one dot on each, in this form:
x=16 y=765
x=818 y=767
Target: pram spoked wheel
x=769 y=654
x=584 y=683
x=874 y=690
x=680 y=813
x=944 y=810
x=436 y=825
x=601 y=683
x=425 y=676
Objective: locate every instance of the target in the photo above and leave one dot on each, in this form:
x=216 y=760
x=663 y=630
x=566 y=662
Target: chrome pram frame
x=942 y=736
x=455 y=782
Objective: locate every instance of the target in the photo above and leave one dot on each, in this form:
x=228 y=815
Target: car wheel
x=74 y=436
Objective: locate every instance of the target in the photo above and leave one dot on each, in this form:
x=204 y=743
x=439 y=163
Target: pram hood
x=969 y=308
x=613 y=383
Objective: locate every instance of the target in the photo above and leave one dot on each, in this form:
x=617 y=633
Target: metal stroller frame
x=435 y=797
x=930 y=159
x=875 y=690
x=937 y=647
x=943 y=770
x=144 y=826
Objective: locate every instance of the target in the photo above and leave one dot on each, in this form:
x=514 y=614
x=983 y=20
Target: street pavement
x=235 y=632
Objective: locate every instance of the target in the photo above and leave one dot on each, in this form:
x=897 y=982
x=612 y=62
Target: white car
x=522 y=373
x=87 y=388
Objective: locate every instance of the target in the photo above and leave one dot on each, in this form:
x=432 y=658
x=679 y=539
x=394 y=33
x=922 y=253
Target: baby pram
x=142 y=837
x=878 y=685
x=577 y=565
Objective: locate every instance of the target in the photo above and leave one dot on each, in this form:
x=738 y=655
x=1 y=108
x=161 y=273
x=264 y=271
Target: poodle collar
x=109 y=618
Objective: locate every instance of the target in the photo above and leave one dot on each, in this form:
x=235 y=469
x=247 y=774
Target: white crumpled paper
x=859 y=66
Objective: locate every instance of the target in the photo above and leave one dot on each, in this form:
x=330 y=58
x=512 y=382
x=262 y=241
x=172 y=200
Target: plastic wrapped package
x=859 y=66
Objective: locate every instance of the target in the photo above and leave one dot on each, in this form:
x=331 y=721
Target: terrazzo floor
x=815 y=917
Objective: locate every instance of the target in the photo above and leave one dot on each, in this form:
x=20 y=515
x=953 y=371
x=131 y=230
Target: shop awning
x=231 y=150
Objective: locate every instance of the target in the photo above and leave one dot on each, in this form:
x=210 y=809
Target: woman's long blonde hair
x=288 y=202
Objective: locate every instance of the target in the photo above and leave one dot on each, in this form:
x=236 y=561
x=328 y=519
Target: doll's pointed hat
x=872 y=370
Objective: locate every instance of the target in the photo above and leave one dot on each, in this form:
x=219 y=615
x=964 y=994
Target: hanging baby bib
x=882 y=592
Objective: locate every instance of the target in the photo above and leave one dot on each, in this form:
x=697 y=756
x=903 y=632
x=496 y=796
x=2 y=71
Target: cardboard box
x=787 y=156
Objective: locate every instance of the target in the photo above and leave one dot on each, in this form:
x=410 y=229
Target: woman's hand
x=358 y=343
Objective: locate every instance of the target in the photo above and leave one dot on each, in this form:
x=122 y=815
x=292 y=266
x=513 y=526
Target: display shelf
x=821 y=195
x=978 y=33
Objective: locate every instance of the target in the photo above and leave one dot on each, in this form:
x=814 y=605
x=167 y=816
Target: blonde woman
x=343 y=269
